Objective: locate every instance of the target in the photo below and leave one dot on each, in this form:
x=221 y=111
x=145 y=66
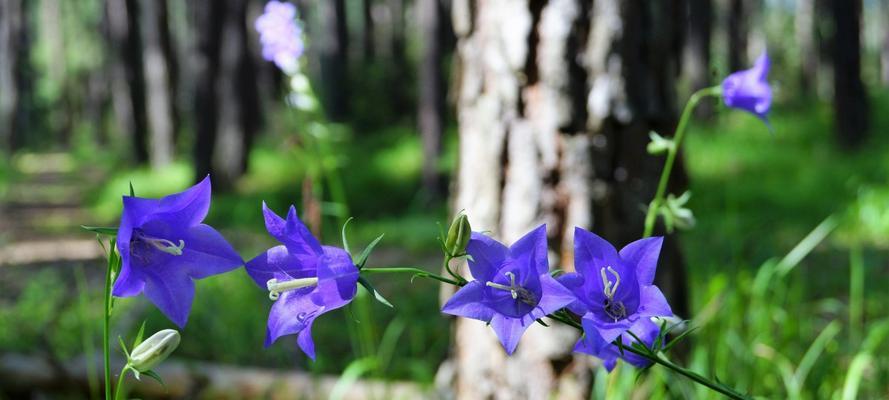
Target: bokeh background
x=98 y=94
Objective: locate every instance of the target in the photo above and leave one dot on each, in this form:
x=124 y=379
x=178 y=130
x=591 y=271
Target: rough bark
x=333 y=53
x=696 y=60
x=850 y=103
x=12 y=28
x=431 y=99
x=127 y=74
x=737 y=34
x=207 y=22
x=158 y=83
x=555 y=102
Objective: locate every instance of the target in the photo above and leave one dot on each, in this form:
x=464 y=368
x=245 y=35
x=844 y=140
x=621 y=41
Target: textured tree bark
x=207 y=23
x=850 y=102
x=556 y=99
x=737 y=34
x=158 y=83
x=431 y=99
x=696 y=60
x=333 y=51
x=11 y=32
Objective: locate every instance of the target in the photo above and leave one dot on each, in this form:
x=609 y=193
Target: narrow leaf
x=362 y=258
x=345 y=240
x=100 y=230
x=156 y=377
x=679 y=338
x=139 y=335
x=123 y=347
x=132 y=192
x=379 y=297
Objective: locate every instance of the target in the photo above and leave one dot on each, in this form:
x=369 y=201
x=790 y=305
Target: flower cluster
x=280 y=35
x=611 y=291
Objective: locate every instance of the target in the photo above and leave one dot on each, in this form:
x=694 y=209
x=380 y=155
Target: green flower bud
x=153 y=350
x=458 y=236
x=658 y=144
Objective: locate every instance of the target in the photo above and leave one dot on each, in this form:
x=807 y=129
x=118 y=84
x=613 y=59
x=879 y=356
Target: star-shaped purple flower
x=164 y=246
x=749 y=89
x=280 y=35
x=512 y=286
x=614 y=294
x=304 y=278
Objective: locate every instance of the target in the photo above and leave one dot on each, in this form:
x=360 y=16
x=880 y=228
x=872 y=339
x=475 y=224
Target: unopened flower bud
x=658 y=143
x=153 y=350
x=458 y=236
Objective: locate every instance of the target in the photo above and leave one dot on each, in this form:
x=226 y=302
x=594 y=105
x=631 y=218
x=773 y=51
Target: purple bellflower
x=164 y=246
x=304 y=278
x=749 y=89
x=512 y=286
x=280 y=35
x=614 y=294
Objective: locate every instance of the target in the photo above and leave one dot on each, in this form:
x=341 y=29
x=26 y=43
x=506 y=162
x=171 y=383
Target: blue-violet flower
x=164 y=246
x=749 y=89
x=615 y=294
x=280 y=35
x=304 y=278
x=512 y=286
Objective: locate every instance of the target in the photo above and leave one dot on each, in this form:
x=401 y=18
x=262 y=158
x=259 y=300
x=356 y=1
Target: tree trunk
x=696 y=63
x=884 y=46
x=207 y=22
x=555 y=103
x=431 y=99
x=127 y=75
x=737 y=34
x=367 y=36
x=333 y=51
x=12 y=20
x=850 y=103
x=158 y=83
x=805 y=37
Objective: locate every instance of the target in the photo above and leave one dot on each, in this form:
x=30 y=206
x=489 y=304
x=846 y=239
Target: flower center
x=163 y=245
x=518 y=293
x=614 y=309
x=276 y=287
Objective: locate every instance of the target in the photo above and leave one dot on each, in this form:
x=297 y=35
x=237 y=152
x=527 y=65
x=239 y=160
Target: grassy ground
x=779 y=330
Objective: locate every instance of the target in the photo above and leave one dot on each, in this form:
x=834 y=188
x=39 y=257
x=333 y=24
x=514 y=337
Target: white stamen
x=165 y=245
x=276 y=288
x=511 y=288
x=608 y=288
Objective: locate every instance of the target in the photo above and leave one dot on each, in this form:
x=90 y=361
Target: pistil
x=276 y=288
x=614 y=309
x=517 y=292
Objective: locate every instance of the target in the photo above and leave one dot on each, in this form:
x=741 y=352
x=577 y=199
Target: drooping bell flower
x=512 y=286
x=304 y=279
x=749 y=89
x=164 y=246
x=615 y=294
x=280 y=35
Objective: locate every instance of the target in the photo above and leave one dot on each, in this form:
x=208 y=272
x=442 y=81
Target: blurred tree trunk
x=158 y=82
x=696 y=62
x=127 y=75
x=804 y=22
x=207 y=22
x=850 y=103
x=13 y=45
x=431 y=99
x=400 y=71
x=554 y=108
x=367 y=35
x=333 y=48
x=737 y=34
x=884 y=46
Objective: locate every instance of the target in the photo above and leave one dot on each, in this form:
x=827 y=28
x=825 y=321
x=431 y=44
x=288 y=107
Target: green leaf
x=132 y=192
x=156 y=377
x=139 y=335
x=379 y=297
x=345 y=240
x=681 y=336
x=540 y=321
x=101 y=230
x=362 y=258
x=123 y=347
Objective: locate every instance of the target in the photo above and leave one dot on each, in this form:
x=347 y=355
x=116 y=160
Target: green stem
x=106 y=328
x=118 y=390
x=856 y=292
x=416 y=271
x=651 y=215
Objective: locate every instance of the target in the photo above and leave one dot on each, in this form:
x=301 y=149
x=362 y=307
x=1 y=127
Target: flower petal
x=337 y=279
x=487 y=256
x=468 y=302
x=278 y=261
x=555 y=295
x=643 y=254
x=509 y=331
x=291 y=313
x=291 y=233
x=652 y=303
x=188 y=207
x=172 y=293
x=305 y=342
x=610 y=330
x=207 y=253
x=591 y=254
x=128 y=283
x=574 y=282
x=533 y=247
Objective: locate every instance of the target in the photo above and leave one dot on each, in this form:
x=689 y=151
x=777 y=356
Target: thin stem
x=106 y=327
x=118 y=390
x=856 y=292
x=651 y=215
x=447 y=267
x=417 y=271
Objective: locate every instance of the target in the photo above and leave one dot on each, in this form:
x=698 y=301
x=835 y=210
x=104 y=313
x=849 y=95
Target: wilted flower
x=280 y=35
x=749 y=90
x=305 y=278
x=512 y=286
x=164 y=246
x=614 y=294
x=153 y=350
